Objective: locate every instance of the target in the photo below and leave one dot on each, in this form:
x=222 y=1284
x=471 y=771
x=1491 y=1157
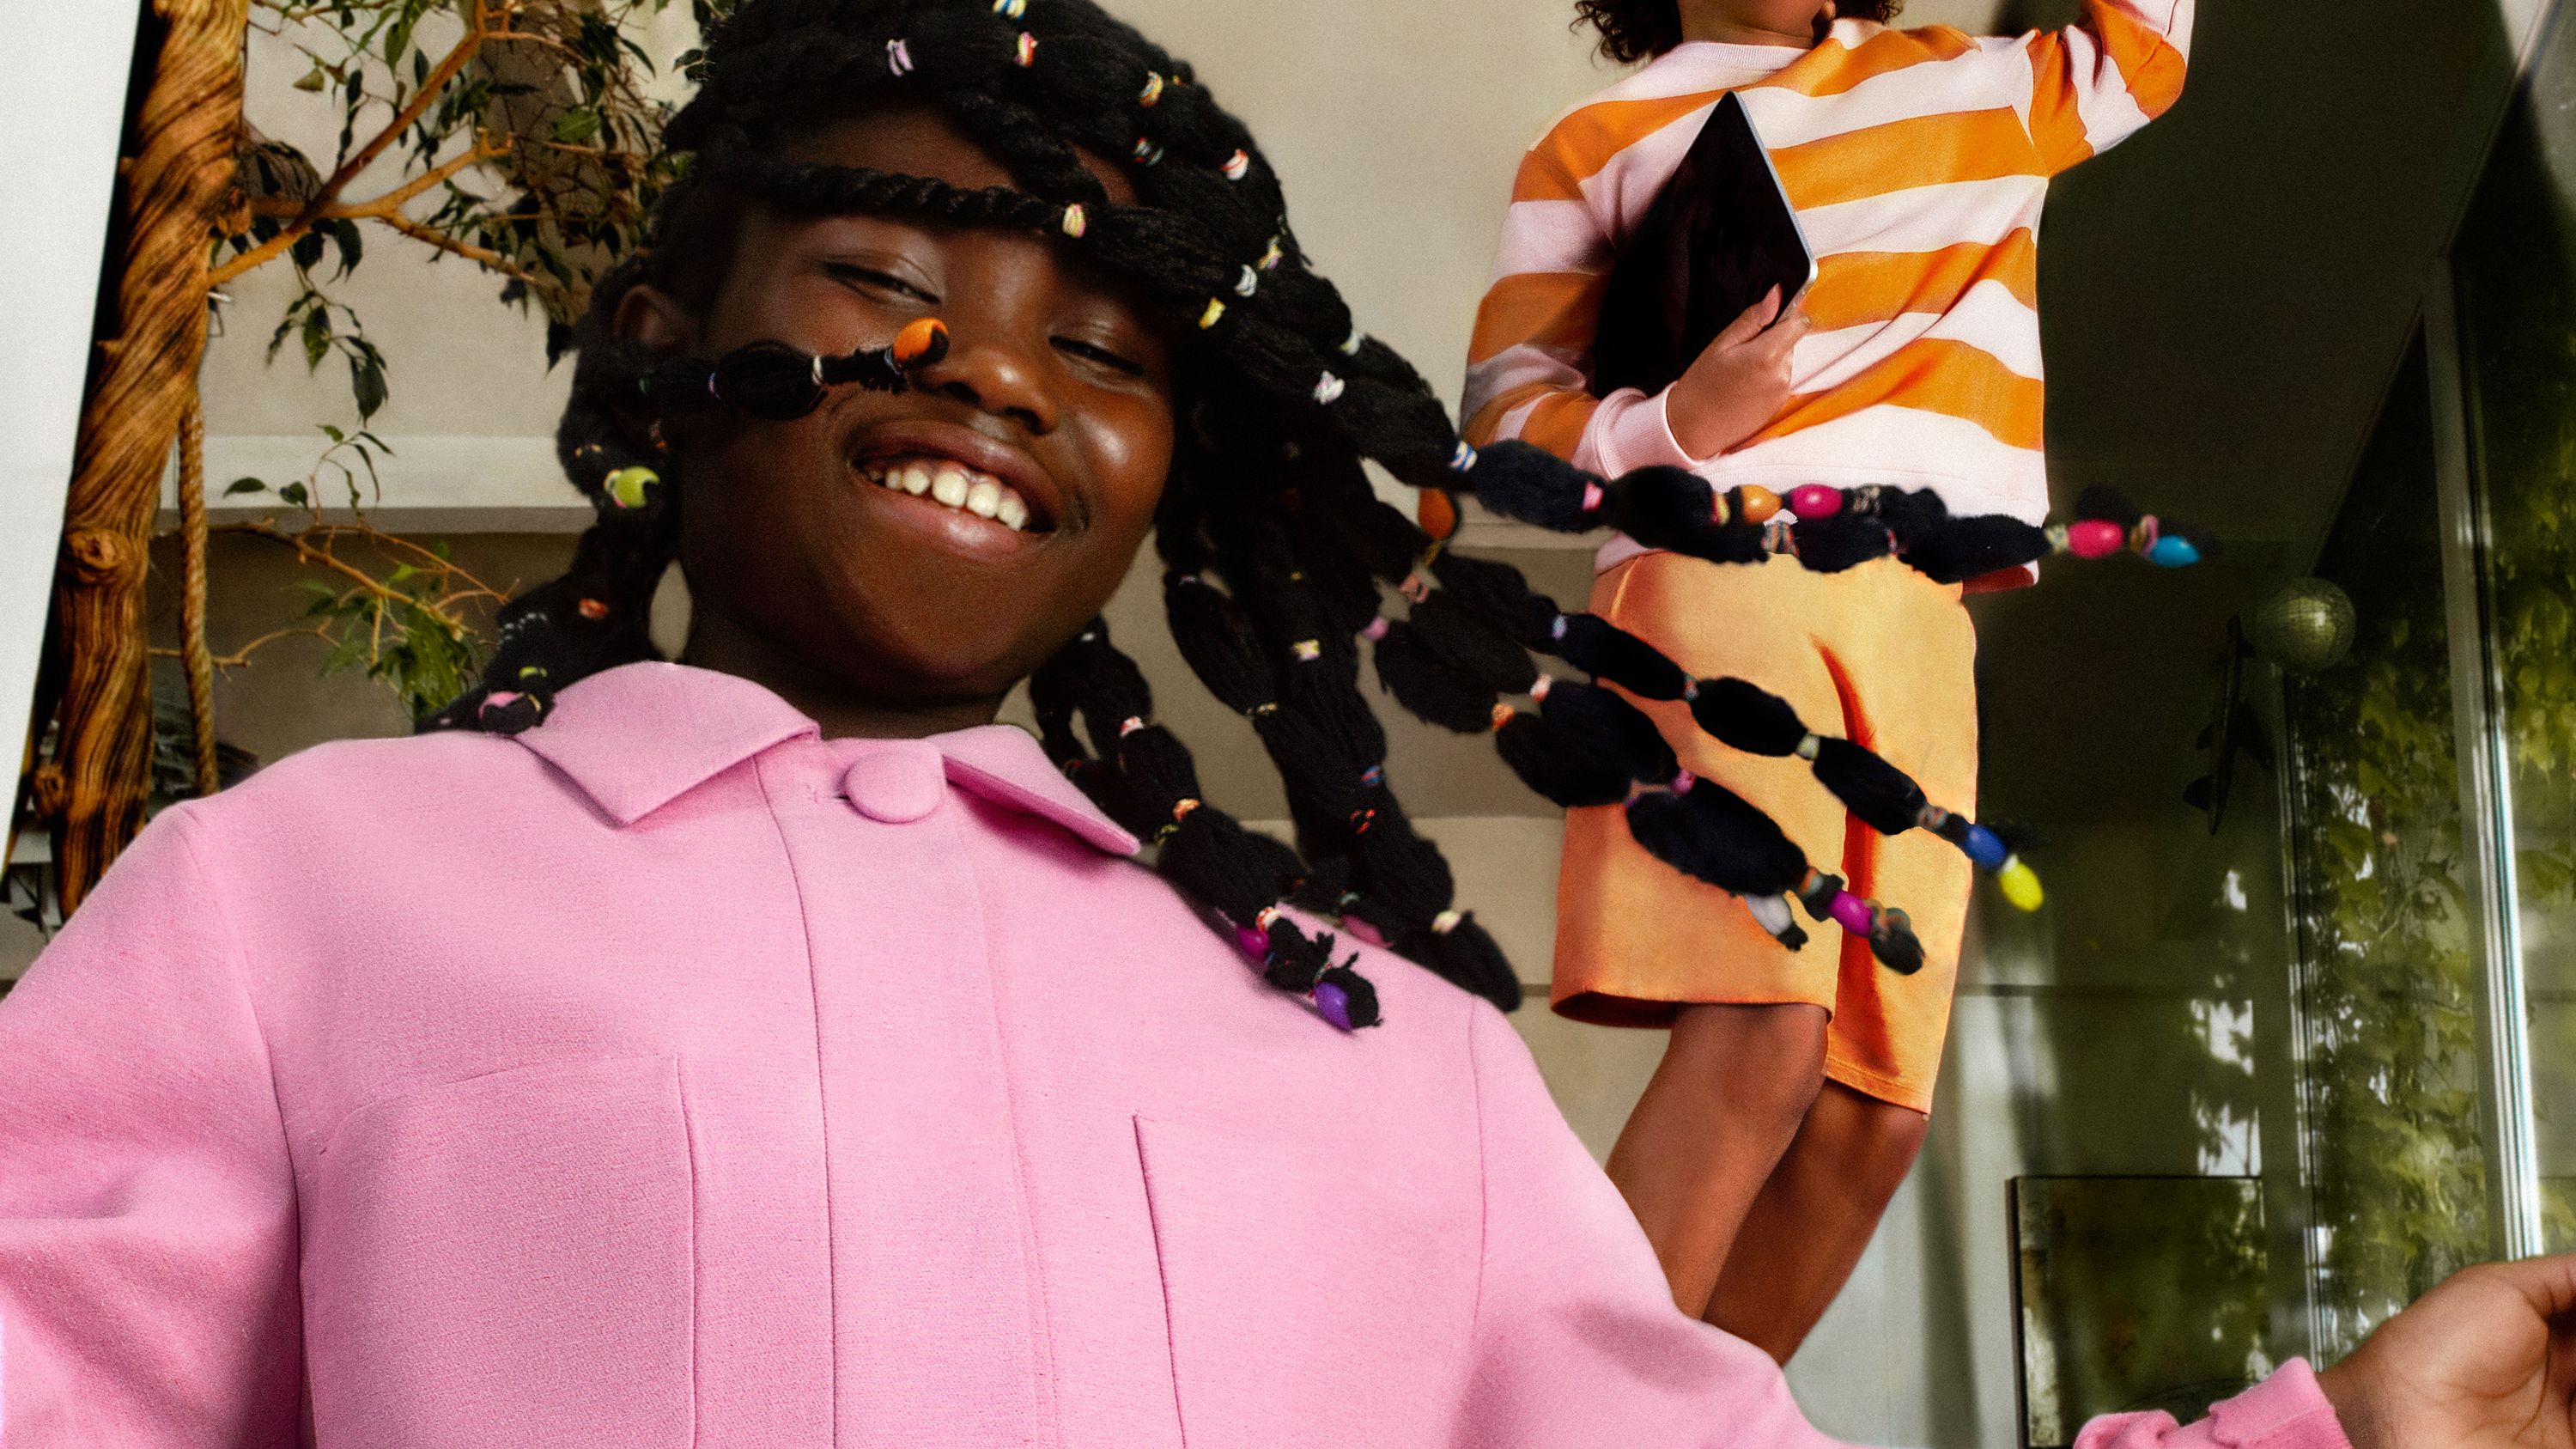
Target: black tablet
x=1719 y=236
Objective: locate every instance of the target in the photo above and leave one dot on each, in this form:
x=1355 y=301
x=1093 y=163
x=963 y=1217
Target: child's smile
x=957 y=487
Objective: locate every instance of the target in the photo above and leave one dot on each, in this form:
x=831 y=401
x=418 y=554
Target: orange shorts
x=1879 y=654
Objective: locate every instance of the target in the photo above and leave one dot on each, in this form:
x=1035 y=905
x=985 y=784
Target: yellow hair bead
x=1215 y=310
x=1153 y=90
x=2020 y=885
x=626 y=487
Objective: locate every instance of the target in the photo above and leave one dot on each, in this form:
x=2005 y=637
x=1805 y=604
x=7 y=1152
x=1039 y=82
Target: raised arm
x=147 y=1211
x=2101 y=80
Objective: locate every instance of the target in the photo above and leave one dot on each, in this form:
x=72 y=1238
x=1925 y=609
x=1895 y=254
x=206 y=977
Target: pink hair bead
x=2095 y=538
x=1376 y=629
x=1592 y=496
x=1252 y=941
x=1853 y=913
x=1814 y=500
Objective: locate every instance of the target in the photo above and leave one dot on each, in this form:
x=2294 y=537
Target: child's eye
x=878 y=279
x=1093 y=352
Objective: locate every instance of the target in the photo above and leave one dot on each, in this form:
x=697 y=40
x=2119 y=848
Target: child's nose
x=993 y=377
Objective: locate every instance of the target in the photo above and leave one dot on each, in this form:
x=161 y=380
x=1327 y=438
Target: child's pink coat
x=670 y=1076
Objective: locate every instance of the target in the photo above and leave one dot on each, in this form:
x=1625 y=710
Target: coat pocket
x=506 y=1260
x=1308 y=1305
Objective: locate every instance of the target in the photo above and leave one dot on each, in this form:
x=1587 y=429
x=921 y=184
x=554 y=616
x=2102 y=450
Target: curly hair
x=1281 y=562
x=1635 y=30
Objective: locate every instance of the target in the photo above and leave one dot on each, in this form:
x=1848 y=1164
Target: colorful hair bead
x=1076 y=220
x=1447 y=921
x=1756 y=504
x=1238 y=166
x=532 y=674
x=1771 y=913
x=1813 y=501
x=1463 y=458
x=627 y=487
x=1307 y=650
x=1502 y=715
x=2020 y=885
x=1984 y=847
x=922 y=342
x=1593 y=496
x=2173 y=551
x=1215 y=310
x=1130 y=725
x=1373 y=776
x=1253 y=942
x=1333 y=1004
x=1540 y=686
x=2095 y=538
x=1153 y=90
x=1248 y=283
x=1147 y=152
x=1027 y=53
x=1328 y=388
x=1010 y=9
x=1810 y=747
x=1271 y=258
x=593 y=609
x=1853 y=914
x=1377 y=628
x=1351 y=344
x=898 y=57
x=1437 y=513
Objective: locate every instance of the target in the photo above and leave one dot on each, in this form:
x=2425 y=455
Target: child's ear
x=653 y=319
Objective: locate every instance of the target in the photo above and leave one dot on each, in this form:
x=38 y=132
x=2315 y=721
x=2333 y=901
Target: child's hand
x=1739 y=383
x=2482 y=1362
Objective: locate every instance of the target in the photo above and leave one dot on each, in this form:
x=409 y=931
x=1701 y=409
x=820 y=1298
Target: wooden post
x=173 y=186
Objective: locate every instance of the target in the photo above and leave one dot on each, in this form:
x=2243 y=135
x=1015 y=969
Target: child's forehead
x=916 y=140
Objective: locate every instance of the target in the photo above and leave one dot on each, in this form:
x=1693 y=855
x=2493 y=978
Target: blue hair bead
x=2173 y=551
x=1333 y=1004
x=1985 y=848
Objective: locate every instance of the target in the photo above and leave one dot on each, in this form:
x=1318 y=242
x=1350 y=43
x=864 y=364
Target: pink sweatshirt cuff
x=1631 y=430
x=2285 y=1411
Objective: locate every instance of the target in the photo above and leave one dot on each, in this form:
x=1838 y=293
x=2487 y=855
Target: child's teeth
x=949 y=487
x=1013 y=513
x=916 y=480
x=984 y=499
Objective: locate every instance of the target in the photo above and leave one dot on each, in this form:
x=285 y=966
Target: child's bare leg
x=1725 y=1103
x=1809 y=1225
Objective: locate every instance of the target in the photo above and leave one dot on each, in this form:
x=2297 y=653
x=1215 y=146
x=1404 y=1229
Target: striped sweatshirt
x=1918 y=161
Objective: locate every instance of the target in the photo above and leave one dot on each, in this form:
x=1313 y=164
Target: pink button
x=898 y=784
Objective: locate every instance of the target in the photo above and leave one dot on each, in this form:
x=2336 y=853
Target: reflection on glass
x=2516 y=276
x=2396 y=1164
x=2101 y=1328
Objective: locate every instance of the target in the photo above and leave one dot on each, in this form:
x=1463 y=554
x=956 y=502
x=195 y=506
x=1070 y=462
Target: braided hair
x=1280 y=560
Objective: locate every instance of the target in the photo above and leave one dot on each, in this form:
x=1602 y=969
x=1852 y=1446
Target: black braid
x=1276 y=543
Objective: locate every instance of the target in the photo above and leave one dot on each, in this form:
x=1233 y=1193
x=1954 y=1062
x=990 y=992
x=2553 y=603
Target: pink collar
x=637 y=737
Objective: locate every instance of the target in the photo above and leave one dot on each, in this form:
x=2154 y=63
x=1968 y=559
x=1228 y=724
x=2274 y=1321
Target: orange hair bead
x=923 y=341
x=1437 y=513
x=1756 y=504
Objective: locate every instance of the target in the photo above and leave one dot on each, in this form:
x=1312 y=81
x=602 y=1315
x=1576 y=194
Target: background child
x=1791 y=1102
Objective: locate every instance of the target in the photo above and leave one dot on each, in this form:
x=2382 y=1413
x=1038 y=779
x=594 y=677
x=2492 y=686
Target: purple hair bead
x=1334 y=1005
x=1252 y=941
x=1852 y=913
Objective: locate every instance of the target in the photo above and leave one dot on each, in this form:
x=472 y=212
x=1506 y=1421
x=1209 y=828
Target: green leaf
x=576 y=126
x=244 y=485
x=366 y=384
x=351 y=242
x=334 y=434
x=294 y=494
x=317 y=337
x=312 y=80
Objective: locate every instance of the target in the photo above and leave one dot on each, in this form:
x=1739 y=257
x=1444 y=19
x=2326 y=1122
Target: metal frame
x=2486 y=789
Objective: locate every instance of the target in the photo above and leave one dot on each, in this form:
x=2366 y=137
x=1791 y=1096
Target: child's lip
x=922 y=437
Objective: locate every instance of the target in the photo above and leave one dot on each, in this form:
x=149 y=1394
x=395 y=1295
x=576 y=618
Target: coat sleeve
x=2101 y=80
x=1576 y=1339
x=148 y=1293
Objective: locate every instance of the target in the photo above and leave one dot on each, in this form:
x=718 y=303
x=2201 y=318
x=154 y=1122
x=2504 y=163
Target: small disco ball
x=2304 y=627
